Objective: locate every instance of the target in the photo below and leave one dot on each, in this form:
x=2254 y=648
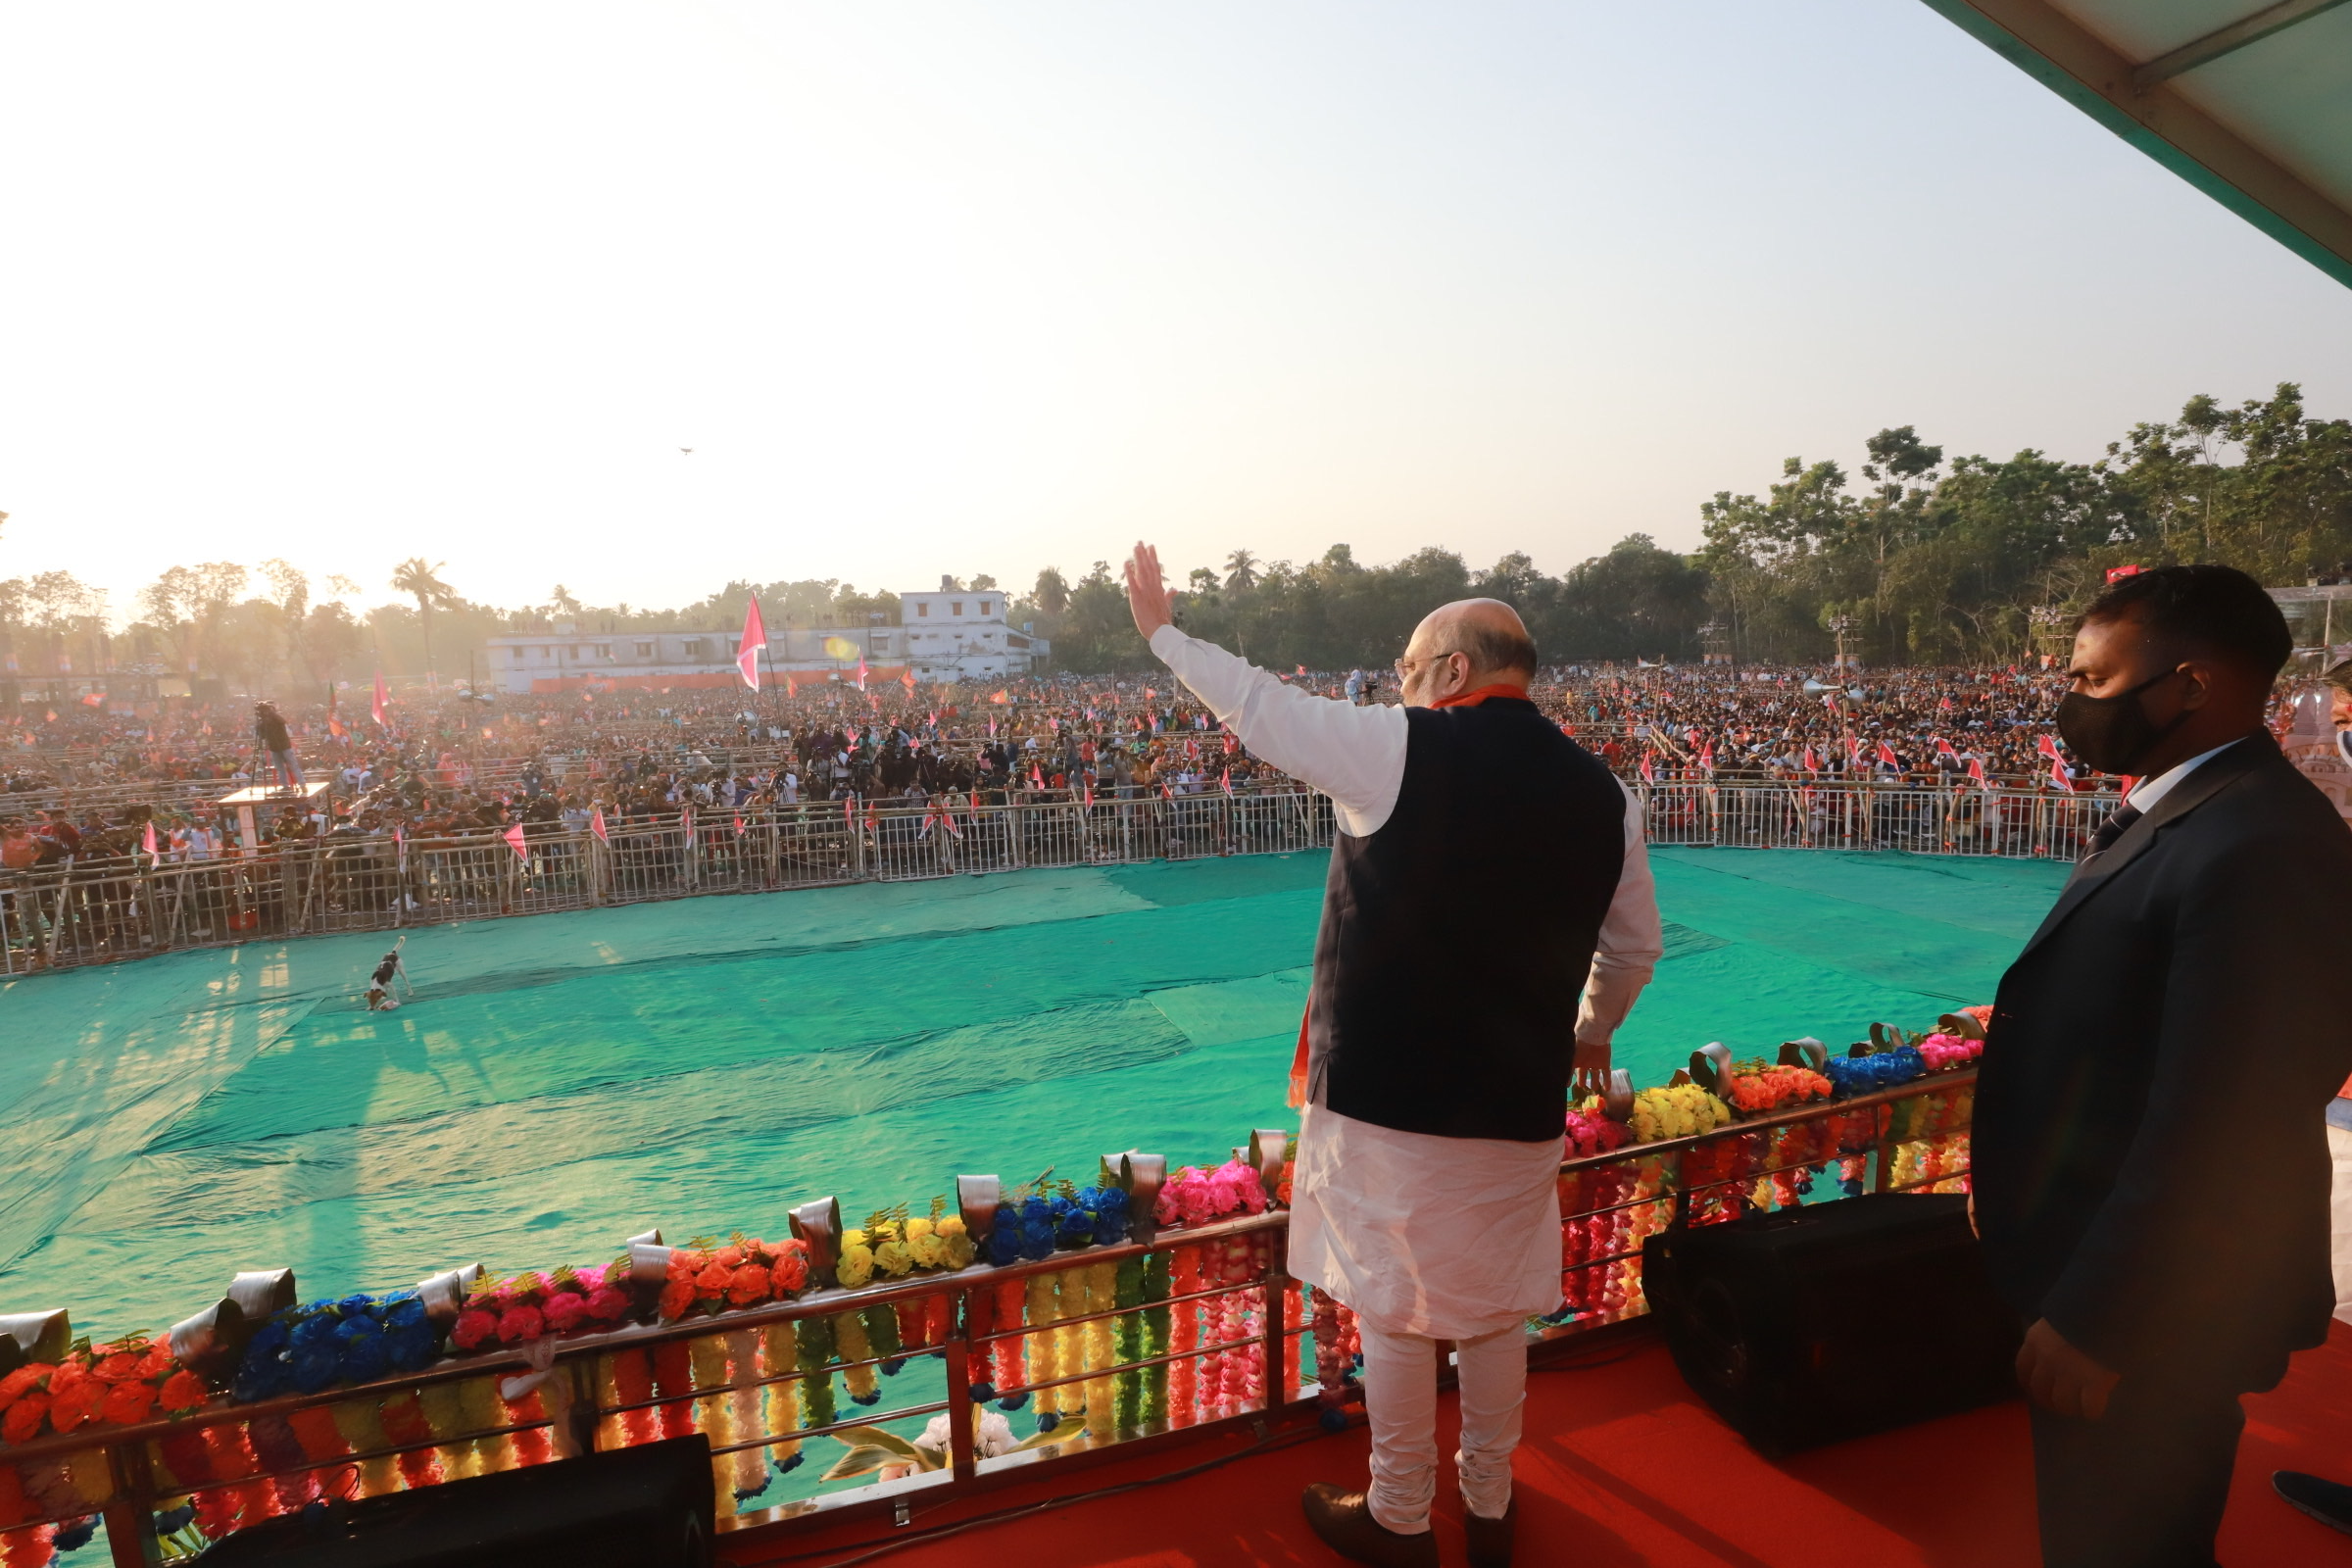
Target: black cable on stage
x=1272 y=1443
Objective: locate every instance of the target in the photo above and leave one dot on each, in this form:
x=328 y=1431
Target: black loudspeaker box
x=649 y=1506
x=1833 y=1320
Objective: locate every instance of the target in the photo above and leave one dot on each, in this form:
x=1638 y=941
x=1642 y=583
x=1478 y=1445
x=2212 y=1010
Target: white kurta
x=1445 y=1236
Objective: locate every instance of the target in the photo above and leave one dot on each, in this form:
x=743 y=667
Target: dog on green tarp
x=382 y=995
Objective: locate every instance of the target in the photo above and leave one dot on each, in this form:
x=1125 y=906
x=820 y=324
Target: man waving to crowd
x=1488 y=873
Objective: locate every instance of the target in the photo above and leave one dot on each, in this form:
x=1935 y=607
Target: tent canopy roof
x=2248 y=100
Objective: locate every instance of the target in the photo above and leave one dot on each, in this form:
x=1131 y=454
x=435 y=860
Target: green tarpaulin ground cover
x=564 y=1080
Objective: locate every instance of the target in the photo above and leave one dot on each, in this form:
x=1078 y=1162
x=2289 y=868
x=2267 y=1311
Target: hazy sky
x=984 y=286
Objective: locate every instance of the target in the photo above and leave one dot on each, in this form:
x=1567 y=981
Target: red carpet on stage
x=1622 y=1467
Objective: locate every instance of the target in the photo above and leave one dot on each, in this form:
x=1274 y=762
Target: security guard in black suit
x=2151 y=1175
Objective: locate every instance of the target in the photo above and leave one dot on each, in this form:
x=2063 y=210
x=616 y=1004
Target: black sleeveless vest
x=1507 y=837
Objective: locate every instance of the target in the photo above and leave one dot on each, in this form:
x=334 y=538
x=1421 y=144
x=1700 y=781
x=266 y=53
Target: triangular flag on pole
x=147 y=842
x=687 y=821
x=596 y=825
x=383 y=698
x=515 y=842
x=746 y=651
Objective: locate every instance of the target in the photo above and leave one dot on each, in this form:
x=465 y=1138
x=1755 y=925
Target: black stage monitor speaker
x=644 y=1507
x=1835 y=1320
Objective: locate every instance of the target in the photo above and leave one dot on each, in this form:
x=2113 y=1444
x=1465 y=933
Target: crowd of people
x=94 y=784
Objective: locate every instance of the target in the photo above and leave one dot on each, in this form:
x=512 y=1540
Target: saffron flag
x=739 y=825
x=687 y=821
x=92 y=700
x=1976 y=770
x=1886 y=756
x=862 y=673
x=1943 y=748
x=2058 y=774
x=907 y=679
x=1649 y=774
x=155 y=857
x=383 y=698
x=596 y=825
x=1225 y=781
x=1812 y=764
x=2047 y=746
x=746 y=651
x=1706 y=757
x=515 y=842
x=1000 y=697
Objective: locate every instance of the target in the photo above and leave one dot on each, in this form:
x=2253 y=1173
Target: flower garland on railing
x=311 y=1349
x=1679 y=1110
x=1758 y=1088
x=706 y=1277
x=1196 y=1197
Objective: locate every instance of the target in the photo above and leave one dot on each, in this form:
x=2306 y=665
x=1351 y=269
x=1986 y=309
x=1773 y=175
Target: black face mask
x=2114 y=734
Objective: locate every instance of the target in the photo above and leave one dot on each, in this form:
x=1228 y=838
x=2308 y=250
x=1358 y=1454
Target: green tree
x=420 y=580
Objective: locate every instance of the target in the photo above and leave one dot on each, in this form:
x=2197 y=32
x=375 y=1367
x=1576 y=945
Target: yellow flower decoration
x=856 y=1266
x=893 y=1259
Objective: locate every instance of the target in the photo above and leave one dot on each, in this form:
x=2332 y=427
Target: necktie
x=2113 y=827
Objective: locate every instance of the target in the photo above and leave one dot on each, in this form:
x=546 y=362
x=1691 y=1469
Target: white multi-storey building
x=961 y=635
x=954 y=634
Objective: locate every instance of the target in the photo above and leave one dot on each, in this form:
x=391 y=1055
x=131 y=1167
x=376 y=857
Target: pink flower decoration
x=472 y=1327
x=564 y=1311
x=519 y=1323
x=607 y=1305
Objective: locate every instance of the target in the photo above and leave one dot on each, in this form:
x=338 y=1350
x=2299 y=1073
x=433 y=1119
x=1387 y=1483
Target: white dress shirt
x=1447 y=1237
x=2148 y=791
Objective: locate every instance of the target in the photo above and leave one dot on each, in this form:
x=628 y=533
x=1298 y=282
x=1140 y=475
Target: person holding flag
x=1484 y=865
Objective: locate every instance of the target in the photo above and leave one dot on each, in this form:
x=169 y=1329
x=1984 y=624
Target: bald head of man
x=1462 y=646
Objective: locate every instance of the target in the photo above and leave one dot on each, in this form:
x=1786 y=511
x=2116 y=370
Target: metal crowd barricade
x=1129 y=1347
x=69 y=915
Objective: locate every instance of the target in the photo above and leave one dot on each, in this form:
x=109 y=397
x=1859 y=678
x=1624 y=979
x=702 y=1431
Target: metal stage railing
x=1130 y=1345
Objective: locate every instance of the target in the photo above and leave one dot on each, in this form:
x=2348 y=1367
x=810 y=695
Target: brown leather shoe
x=1491 y=1539
x=1347 y=1528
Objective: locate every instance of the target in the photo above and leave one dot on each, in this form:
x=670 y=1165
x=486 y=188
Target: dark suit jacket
x=2150 y=1148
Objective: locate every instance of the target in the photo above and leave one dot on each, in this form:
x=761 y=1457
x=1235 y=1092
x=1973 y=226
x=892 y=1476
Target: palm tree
x=420 y=579
x=1052 y=593
x=563 y=603
x=1241 y=571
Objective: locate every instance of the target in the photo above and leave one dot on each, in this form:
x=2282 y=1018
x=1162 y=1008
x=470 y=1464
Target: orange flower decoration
x=74 y=1398
x=127 y=1404
x=24 y=1418
x=790 y=1271
x=23 y=1380
x=183 y=1390
x=750 y=1286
